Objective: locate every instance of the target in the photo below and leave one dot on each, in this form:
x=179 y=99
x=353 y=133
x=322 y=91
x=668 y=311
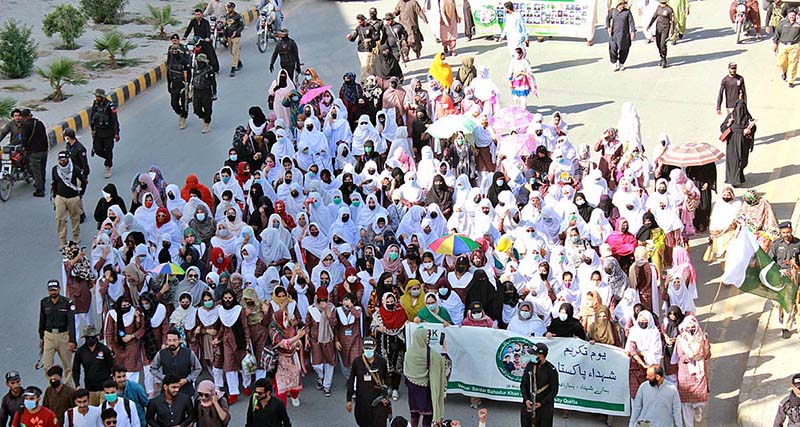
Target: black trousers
x=37 y=166
x=290 y=69
x=177 y=98
x=544 y=417
x=201 y=101
x=369 y=416
x=103 y=146
x=618 y=50
x=661 y=41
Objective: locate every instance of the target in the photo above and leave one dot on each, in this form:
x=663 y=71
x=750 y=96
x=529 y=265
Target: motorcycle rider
x=234 y=24
x=178 y=67
x=105 y=129
x=202 y=29
x=215 y=8
x=12 y=127
x=286 y=48
x=201 y=90
x=278 y=6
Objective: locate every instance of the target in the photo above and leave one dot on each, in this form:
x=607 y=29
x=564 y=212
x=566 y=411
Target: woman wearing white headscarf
x=284 y=235
x=224 y=240
x=312 y=147
x=721 y=228
x=678 y=293
x=628 y=127
x=336 y=127
x=283 y=146
x=386 y=126
x=427 y=167
x=175 y=203
x=623 y=312
x=525 y=322
x=370 y=211
x=317 y=244
x=460 y=222
x=329 y=263
x=364 y=132
x=594 y=186
x=644 y=347
x=228 y=183
x=401 y=150
x=369 y=179
x=411 y=192
x=273 y=250
x=560 y=165
x=146 y=216
x=411 y=223
x=438 y=221
x=599 y=227
x=345 y=225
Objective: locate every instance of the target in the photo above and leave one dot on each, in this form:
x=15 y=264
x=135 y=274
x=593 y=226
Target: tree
x=17 y=50
x=68 y=22
x=62 y=71
x=7 y=104
x=104 y=11
x=161 y=18
x=114 y=44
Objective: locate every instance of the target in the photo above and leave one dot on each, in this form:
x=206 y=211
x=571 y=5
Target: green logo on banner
x=512 y=356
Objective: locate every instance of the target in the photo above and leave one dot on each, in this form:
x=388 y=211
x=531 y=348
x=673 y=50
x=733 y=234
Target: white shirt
x=661 y=405
x=122 y=414
x=91 y=419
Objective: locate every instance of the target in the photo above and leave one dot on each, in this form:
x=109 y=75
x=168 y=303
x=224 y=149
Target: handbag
x=249 y=364
x=269 y=359
x=692 y=203
x=725 y=134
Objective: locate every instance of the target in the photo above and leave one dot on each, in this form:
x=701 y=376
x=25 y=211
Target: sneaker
x=214 y=97
x=621 y=66
x=233 y=398
x=783 y=76
x=232 y=73
x=205 y=128
x=83 y=217
x=791 y=84
x=38 y=194
x=107 y=172
x=181 y=122
x=319 y=384
x=674 y=42
x=615 y=66
x=395 y=395
x=295 y=402
x=326 y=392
x=239 y=66
x=786 y=334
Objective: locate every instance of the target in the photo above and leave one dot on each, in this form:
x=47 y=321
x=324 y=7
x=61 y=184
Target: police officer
x=373 y=20
x=78 y=155
x=286 y=49
x=234 y=24
x=57 y=329
x=664 y=18
x=201 y=91
x=367 y=39
x=105 y=129
x=178 y=67
x=539 y=387
x=368 y=385
x=785 y=252
x=395 y=36
x=202 y=30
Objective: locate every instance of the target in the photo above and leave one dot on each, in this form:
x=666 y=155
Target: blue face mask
x=443 y=291
x=337 y=200
x=110 y=397
x=369 y=354
x=30 y=405
x=225 y=179
x=431 y=307
x=356 y=203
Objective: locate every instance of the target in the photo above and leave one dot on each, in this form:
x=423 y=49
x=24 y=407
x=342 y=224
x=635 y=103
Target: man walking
x=57 y=329
x=178 y=361
x=178 y=67
x=34 y=414
x=172 y=407
x=732 y=87
x=234 y=24
x=367 y=39
x=105 y=129
x=621 y=31
x=410 y=12
x=396 y=37
x=126 y=411
x=82 y=414
x=13 y=400
x=664 y=18
x=785 y=251
x=80 y=158
x=789 y=407
x=202 y=31
x=514 y=31
x=539 y=387
x=58 y=395
x=266 y=410
x=67 y=188
x=96 y=361
x=202 y=96
x=369 y=376
x=132 y=391
x=286 y=49
x=33 y=136
x=786 y=43
x=657 y=404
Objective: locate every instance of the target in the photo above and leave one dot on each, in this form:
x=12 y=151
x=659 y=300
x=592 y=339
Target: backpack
x=201 y=79
x=103 y=407
x=102 y=116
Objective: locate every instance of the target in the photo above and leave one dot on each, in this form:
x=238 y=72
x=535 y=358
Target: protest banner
x=570 y=18
x=488 y=363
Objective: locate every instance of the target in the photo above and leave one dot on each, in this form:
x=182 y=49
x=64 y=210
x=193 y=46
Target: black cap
x=475 y=307
x=69 y=132
x=538 y=348
x=32 y=390
x=175 y=37
x=231 y=4
x=369 y=343
x=388 y=16
x=12 y=376
x=785 y=224
x=361 y=16
x=53 y=283
x=63 y=155
x=795 y=379
x=731 y=65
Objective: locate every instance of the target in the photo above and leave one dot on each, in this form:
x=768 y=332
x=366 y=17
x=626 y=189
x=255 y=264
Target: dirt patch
x=17 y=88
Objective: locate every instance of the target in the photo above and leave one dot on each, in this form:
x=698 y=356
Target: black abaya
x=739 y=145
x=705 y=178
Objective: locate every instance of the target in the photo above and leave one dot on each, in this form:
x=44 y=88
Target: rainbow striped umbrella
x=454 y=244
x=168 y=268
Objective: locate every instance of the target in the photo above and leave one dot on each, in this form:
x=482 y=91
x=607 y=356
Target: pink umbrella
x=509 y=119
x=518 y=144
x=313 y=94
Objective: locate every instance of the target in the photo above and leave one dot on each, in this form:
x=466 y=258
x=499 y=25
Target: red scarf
x=394 y=319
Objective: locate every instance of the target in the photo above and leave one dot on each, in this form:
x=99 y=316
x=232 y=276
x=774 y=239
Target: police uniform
x=105 y=129
x=664 y=18
x=286 y=49
x=177 y=72
x=784 y=253
x=201 y=90
x=57 y=330
x=543 y=390
x=233 y=31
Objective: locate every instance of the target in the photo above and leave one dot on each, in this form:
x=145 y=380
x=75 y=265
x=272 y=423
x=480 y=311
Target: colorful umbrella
x=510 y=119
x=454 y=244
x=448 y=125
x=518 y=144
x=692 y=154
x=168 y=268
x=313 y=94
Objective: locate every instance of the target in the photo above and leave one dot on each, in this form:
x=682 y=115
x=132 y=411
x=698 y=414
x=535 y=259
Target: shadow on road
x=569 y=109
x=776 y=137
x=690 y=59
x=701 y=33
x=561 y=65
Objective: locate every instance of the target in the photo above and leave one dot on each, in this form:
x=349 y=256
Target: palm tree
x=161 y=18
x=62 y=71
x=114 y=44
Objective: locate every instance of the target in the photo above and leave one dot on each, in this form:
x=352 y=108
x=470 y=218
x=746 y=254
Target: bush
x=7 y=104
x=68 y=22
x=114 y=44
x=202 y=6
x=160 y=18
x=104 y=11
x=17 y=50
x=62 y=71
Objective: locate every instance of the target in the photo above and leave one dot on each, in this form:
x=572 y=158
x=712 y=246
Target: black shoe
x=791 y=84
x=663 y=63
x=214 y=97
x=786 y=334
x=38 y=194
x=232 y=73
x=680 y=36
x=83 y=217
x=319 y=384
x=674 y=42
x=239 y=66
x=783 y=76
x=327 y=392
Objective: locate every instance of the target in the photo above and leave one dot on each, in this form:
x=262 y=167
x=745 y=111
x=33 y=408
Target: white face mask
x=476 y=316
x=525 y=314
x=562 y=317
x=152 y=175
x=106 y=196
x=427 y=265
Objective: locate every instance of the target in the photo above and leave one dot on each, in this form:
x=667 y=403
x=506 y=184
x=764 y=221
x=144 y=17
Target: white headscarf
x=364 y=131
x=648 y=341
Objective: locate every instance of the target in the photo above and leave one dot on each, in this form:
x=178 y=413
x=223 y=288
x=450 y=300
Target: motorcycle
x=741 y=23
x=266 y=27
x=217 y=32
x=13 y=165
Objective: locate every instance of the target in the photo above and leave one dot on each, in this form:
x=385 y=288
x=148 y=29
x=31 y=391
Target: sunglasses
x=193 y=275
x=204 y=395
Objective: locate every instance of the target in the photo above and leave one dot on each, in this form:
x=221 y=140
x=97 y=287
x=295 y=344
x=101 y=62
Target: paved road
x=573 y=78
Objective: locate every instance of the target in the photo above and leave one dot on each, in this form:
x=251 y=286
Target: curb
x=121 y=95
x=745 y=417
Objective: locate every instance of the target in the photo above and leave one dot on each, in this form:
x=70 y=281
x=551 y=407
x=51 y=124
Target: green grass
x=102 y=64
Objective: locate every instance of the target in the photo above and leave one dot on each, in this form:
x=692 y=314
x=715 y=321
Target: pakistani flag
x=751 y=270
